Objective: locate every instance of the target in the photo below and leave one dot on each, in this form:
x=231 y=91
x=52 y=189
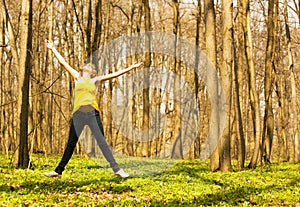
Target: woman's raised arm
x=116 y=74
x=74 y=73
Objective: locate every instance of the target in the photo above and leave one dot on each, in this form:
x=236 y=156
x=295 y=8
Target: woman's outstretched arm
x=74 y=73
x=116 y=74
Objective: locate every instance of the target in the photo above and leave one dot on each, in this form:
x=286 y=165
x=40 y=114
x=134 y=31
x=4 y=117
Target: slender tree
x=282 y=123
x=147 y=63
x=2 y=76
x=238 y=78
x=291 y=69
x=177 y=149
x=196 y=68
x=226 y=76
x=268 y=129
x=51 y=71
x=253 y=93
x=211 y=53
x=24 y=78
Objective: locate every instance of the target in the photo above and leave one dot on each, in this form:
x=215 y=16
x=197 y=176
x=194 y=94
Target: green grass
x=87 y=182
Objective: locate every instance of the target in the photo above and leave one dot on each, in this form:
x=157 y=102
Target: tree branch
x=122 y=10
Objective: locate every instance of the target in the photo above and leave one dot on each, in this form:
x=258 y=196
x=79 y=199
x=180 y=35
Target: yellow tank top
x=85 y=94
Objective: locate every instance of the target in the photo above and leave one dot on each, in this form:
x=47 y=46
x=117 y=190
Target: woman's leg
x=96 y=127
x=75 y=131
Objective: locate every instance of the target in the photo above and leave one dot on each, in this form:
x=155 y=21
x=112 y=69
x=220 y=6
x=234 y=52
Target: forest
x=225 y=72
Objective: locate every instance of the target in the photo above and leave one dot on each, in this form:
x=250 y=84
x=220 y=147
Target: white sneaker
x=122 y=173
x=52 y=174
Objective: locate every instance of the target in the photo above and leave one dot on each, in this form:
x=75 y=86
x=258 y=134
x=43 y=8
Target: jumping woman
x=86 y=112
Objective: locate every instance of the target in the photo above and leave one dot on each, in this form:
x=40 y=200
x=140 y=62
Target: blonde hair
x=89 y=66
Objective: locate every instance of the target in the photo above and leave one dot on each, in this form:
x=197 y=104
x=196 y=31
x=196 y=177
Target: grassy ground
x=87 y=182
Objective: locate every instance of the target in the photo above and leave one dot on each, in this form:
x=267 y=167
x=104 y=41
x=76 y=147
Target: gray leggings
x=78 y=121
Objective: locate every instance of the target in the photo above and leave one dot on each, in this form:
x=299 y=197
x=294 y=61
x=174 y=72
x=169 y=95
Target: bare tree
x=253 y=93
x=268 y=129
x=22 y=62
x=177 y=149
x=211 y=52
x=294 y=109
x=2 y=85
x=238 y=86
x=196 y=68
x=226 y=76
x=24 y=75
x=146 y=101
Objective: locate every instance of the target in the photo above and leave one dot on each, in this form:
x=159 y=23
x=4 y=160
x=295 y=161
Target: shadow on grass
x=110 y=184
x=139 y=167
x=237 y=195
x=63 y=185
x=232 y=197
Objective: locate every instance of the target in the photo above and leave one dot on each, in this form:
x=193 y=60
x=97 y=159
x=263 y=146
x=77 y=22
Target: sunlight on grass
x=154 y=182
x=141 y=166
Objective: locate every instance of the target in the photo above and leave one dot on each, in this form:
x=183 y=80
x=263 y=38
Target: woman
x=86 y=112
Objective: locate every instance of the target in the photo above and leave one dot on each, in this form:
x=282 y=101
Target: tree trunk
x=268 y=129
x=281 y=84
x=98 y=27
x=253 y=93
x=24 y=77
x=294 y=116
x=146 y=105
x=2 y=97
x=211 y=53
x=51 y=71
x=239 y=71
x=197 y=144
x=226 y=76
x=177 y=148
x=36 y=106
x=241 y=146
x=130 y=143
x=88 y=30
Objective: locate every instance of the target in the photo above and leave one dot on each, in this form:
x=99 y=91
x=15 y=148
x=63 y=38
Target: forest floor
x=88 y=182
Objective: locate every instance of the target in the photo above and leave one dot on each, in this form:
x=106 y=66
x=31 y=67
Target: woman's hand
x=49 y=44
x=136 y=65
